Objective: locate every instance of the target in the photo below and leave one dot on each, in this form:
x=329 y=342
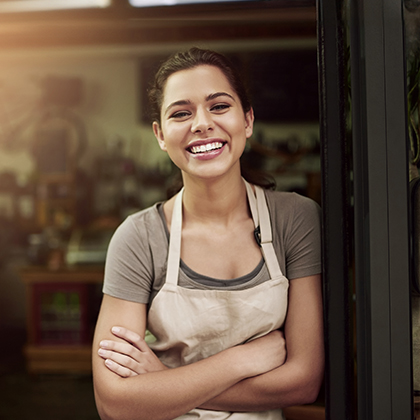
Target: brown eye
x=180 y=114
x=220 y=107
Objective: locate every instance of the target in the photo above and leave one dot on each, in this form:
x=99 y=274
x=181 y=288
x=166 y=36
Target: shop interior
x=77 y=156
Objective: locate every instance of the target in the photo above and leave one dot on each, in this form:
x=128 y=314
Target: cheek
x=240 y=128
x=175 y=133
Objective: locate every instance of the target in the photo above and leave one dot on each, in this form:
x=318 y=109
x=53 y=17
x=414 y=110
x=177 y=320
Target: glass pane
x=99 y=83
x=412 y=39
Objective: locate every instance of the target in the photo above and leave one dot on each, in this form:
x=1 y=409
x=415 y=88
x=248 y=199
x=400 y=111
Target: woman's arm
x=298 y=380
x=169 y=393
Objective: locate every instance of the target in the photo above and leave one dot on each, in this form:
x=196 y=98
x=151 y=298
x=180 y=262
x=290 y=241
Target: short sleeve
x=297 y=233
x=129 y=267
x=303 y=250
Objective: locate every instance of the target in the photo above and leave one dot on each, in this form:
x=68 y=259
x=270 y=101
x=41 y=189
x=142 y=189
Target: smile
x=204 y=148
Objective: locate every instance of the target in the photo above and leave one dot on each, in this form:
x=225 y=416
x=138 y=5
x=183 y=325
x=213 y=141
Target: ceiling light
x=13 y=6
x=151 y=3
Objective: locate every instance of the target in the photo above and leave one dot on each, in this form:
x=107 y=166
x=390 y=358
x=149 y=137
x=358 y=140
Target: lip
x=207 y=154
x=201 y=142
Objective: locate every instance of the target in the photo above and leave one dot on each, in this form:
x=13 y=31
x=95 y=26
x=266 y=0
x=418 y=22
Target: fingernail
x=101 y=352
x=103 y=343
x=115 y=330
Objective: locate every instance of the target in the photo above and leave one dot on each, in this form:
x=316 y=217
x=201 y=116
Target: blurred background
x=77 y=155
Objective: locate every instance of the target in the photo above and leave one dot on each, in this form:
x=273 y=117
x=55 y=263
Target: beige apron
x=192 y=324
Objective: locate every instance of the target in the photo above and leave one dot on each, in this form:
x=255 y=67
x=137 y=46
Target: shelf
x=62 y=307
x=79 y=274
x=58 y=359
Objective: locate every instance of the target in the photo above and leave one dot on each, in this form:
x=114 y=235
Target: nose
x=202 y=121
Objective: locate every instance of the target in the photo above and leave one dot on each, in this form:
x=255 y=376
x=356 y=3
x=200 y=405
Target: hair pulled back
x=188 y=60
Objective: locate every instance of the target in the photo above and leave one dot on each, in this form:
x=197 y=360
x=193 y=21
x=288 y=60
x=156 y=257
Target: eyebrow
x=176 y=103
x=208 y=98
x=217 y=95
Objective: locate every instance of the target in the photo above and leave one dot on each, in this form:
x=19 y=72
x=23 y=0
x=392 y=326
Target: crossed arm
x=130 y=382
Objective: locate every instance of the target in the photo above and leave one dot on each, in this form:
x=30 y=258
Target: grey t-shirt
x=135 y=267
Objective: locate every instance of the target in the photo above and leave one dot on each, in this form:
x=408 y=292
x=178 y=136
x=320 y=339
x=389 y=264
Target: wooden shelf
x=58 y=359
x=62 y=307
x=80 y=274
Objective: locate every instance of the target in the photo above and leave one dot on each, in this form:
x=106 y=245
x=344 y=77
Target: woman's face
x=203 y=126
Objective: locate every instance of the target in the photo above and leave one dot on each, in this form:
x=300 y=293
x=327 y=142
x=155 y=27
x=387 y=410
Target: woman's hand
x=131 y=357
x=267 y=352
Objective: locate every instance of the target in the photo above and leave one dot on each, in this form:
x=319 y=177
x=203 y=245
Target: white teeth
x=206 y=147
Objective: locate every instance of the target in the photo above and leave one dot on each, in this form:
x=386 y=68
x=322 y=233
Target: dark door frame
x=381 y=231
x=381 y=211
x=336 y=206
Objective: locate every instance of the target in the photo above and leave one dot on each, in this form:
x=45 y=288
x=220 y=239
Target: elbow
x=115 y=406
x=308 y=388
x=305 y=394
x=110 y=408
x=111 y=411
x=312 y=379
x=104 y=413
x=309 y=393
x=107 y=410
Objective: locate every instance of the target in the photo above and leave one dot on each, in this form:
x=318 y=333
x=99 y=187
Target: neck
x=217 y=200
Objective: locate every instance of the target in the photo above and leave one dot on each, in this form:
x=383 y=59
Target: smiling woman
x=225 y=275
x=201 y=122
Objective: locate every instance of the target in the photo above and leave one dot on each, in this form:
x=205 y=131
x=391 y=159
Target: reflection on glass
x=151 y=3
x=41 y=5
x=412 y=41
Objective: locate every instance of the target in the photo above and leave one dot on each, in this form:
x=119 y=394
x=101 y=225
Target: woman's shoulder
x=144 y=216
x=290 y=201
x=140 y=225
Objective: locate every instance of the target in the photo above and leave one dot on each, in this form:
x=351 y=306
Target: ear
x=249 y=123
x=159 y=136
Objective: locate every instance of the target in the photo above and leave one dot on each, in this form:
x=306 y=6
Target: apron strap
x=172 y=268
x=270 y=256
x=261 y=217
x=252 y=203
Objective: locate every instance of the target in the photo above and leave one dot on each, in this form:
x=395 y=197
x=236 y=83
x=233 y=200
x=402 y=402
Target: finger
x=131 y=337
x=119 y=347
x=121 y=360
x=118 y=369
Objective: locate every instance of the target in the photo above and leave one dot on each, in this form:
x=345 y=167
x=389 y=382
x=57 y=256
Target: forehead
x=200 y=80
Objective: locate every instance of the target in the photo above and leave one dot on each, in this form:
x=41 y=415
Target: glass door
x=382 y=275
x=412 y=42
x=366 y=167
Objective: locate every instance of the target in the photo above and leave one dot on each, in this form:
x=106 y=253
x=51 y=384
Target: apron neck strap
x=174 y=253
x=261 y=217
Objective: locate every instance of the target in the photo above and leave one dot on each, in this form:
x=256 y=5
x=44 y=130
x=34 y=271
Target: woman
x=216 y=303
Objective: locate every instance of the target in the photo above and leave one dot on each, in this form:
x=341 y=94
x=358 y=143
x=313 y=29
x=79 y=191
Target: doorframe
x=381 y=223
x=336 y=206
x=381 y=189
